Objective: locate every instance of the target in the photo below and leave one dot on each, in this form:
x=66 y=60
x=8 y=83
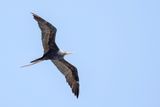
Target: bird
x=56 y=55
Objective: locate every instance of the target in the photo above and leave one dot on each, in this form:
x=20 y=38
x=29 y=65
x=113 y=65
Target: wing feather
x=70 y=73
x=48 y=33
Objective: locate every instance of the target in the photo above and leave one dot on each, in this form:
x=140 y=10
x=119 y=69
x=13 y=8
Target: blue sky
x=115 y=45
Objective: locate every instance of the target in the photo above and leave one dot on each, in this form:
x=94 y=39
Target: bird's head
x=64 y=53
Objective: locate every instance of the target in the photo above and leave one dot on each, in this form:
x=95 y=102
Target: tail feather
x=36 y=60
x=33 y=62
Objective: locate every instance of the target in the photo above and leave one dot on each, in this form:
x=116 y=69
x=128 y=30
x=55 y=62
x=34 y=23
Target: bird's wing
x=70 y=73
x=48 y=33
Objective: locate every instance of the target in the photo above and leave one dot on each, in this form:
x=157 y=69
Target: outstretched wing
x=48 y=33
x=70 y=73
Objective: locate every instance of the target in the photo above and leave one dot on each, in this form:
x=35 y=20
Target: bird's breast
x=53 y=55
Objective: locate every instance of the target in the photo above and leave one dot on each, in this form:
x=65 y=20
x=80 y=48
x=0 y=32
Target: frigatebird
x=56 y=55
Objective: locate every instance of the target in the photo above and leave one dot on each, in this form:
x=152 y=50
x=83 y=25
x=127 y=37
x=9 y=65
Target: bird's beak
x=68 y=53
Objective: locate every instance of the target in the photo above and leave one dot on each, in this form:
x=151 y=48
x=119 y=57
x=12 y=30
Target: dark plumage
x=53 y=53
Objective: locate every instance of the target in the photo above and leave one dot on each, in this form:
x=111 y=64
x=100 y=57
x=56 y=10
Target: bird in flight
x=56 y=55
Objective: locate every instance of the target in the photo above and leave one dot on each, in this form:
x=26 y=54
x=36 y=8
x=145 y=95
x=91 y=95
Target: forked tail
x=34 y=62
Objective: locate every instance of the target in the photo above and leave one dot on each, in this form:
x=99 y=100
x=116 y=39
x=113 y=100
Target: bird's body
x=53 y=53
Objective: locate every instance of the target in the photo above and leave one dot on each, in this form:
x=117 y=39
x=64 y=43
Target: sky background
x=115 y=45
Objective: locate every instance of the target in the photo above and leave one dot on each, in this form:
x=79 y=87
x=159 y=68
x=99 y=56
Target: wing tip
x=33 y=14
x=36 y=17
x=75 y=90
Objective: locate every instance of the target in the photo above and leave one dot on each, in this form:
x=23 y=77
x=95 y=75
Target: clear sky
x=115 y=45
